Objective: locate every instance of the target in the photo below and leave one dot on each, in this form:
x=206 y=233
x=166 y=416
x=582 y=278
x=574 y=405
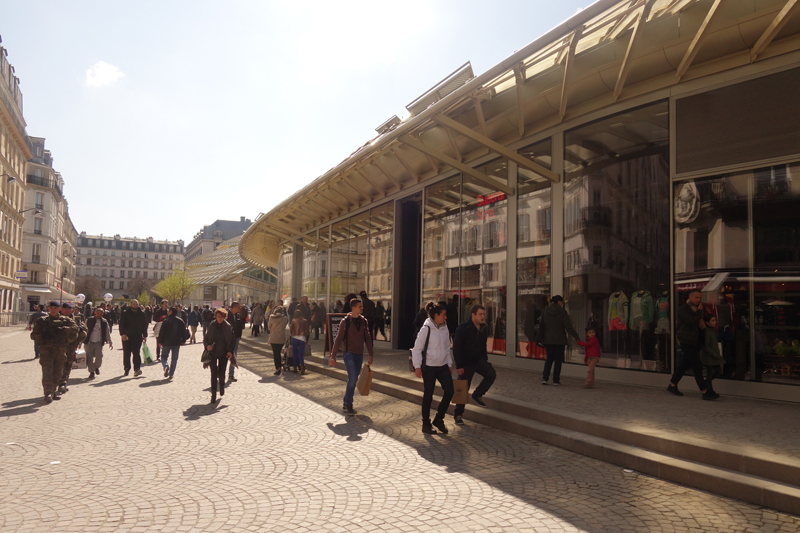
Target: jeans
x=690 y=357
x=235 y=350
x=430 y=376
x=276 y=355
x=352 y=362
x=132 y=346
x=485 y=369
x=298 y=350
x=555 y=354
x=217 y=366
x=165 y=351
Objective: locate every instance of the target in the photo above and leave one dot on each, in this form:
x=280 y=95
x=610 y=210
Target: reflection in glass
x=310 y=271
x=534 y=225
x=441 y=242
x=616 y=235
x=340 y=243
x=380 y=268
x=285 y=281
x=323 y=263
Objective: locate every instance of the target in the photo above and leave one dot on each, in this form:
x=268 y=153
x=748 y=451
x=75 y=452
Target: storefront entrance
x=408 y=222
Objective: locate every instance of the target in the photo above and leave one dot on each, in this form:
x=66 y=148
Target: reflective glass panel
x=380 y=268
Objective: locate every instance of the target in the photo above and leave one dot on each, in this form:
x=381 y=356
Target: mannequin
x=641 y=317
x=618 y=319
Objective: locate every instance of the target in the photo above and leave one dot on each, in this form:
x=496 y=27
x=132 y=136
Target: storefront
x=621 y=183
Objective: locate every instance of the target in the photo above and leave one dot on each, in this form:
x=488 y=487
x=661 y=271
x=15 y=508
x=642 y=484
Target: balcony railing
x=596 y=216
x=39 y=206
x=45 y=182
x=36 y=258
x=37 y=232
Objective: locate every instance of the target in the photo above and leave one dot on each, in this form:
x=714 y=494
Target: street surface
x=276 y=454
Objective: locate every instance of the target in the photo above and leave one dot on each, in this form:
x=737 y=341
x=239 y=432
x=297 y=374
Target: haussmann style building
x=638 y=151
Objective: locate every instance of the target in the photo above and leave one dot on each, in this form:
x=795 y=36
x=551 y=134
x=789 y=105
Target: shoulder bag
x=424 y=353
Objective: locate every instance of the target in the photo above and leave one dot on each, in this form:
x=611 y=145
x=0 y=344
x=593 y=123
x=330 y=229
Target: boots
x=302 y=369
x=427 y=428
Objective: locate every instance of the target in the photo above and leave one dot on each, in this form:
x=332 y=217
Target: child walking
x=710 y=356
x=592 y=356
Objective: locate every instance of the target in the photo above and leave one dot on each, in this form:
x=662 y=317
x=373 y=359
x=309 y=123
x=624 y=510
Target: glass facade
x=534 y=230
x=617 y=236
x=381 y=265
x=285 y=273
x=737 y=239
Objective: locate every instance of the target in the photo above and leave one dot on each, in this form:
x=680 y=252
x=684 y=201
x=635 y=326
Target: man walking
x=237 y=323
x=52 y=332
x=689 y=322
x=172 y=336
x=133 y=331
x=556 y=323
x=194 y=321
x=36 y=315
x=99 y=333
x=67 y=312
x=353 y=335
x=469 y=350
x=369 y=311
x=208 y=317
x=158 y=317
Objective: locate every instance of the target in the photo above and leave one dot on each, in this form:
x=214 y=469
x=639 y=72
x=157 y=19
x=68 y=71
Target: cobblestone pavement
x=276 y=454
x=751 y=424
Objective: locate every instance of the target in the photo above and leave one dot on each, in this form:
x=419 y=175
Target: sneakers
x=477 y=400
x=348 y=409
x=710 y=395
x=56 y=396
x=674 y=390
x=544 y=382
x=232 y=379
x=427 y=428
x=439 y=424
x=126 y=373
x=166 y=371
x=91 y=376
x=277 y=372
x=458 y=420
x=137 y=373
x=62 y=389
x=48 y=398
x=97 y=371
x=557 y=383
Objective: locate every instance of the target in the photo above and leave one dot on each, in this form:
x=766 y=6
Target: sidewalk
x=752 y=425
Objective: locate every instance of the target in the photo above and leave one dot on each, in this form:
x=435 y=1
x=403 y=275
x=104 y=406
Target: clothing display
x=617 y=312
x=641 y=311
x=662 y=310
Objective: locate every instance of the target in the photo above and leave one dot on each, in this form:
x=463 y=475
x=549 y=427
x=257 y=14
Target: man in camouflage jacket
x=72 y=347
x=52 y=333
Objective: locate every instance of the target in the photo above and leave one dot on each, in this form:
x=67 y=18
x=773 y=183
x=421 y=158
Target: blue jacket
x=194 y=319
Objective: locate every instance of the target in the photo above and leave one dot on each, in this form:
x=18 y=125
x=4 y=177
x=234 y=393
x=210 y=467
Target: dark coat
x=469 y=344
x=173 y=332
x=220 y=336
x=556 y=323
x=687 y=324
x=133 y=323
x=194 y=318
x=237 y=323
x=105 y=338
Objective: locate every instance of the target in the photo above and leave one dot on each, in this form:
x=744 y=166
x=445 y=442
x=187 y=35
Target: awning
x=45 y=291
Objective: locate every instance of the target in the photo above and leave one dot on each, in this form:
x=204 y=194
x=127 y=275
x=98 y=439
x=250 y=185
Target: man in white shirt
x=99 y=333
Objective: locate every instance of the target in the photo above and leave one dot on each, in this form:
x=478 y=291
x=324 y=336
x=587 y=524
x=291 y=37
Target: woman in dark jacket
x=219 y=341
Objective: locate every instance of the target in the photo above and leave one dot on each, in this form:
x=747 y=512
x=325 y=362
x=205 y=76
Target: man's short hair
x=165 y=301
x=590 y=328
x=557 y=298
x=356 y=301
x=173 y=310
x=234 y=304
x=476 y=308
x=698 y=291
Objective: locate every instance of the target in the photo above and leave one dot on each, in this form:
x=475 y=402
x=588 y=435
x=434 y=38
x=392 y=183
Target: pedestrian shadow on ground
x=19 y=361
x=203 y=409
x=111 y=381
x=352 y=428
x=154 y=383
x=21 y=407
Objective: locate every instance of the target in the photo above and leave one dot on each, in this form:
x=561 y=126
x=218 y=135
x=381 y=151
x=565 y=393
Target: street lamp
x=38 y=211
x=9 y=176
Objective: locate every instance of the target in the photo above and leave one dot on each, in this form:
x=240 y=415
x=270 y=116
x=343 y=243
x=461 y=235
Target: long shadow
x=154 y=383
x=18 y=361
x=22 y=407
x=524 y=468
x=112 y=381
x=199 y=410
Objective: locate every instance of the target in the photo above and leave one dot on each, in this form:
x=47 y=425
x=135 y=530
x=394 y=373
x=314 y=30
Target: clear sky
x=166 y=115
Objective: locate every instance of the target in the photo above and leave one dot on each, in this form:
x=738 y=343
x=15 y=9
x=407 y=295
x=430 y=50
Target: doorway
x=408 y=223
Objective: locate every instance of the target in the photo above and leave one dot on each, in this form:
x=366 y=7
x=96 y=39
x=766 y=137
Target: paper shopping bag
x=364 y=380
x=461 y=395
x=80 y=360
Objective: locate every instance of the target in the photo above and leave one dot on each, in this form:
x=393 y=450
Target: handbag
x=424 y=353
x=207 y=356
x=147 y=357
x=461 y=394
x=364 y=382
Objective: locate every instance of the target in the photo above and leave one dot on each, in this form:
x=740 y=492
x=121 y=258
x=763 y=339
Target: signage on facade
x=489 y=199
x=209 y=292
x=21 y=274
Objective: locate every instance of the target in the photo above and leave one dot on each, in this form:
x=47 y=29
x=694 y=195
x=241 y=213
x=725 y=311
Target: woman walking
x=300 y=332
x=277 y=334
x=433 y=362
x=219 y=342
x=256 y=319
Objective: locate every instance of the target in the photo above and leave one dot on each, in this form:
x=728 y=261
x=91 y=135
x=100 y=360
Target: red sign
x=489 y=199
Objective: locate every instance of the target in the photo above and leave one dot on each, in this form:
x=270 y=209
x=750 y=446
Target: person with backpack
x=432 y=362
x=172 y=335
x=353 y=335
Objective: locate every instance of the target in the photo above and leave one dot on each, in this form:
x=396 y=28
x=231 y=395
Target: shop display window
x=381 y=263
x=285 y=273
x=534 y=227
x=340 y=266
x=617 y=237
x=737 y=240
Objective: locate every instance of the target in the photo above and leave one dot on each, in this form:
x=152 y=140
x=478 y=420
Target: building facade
x=49 y=236
x=15 y=150
x=126 y=266
x=636 y=152
x=210 y=237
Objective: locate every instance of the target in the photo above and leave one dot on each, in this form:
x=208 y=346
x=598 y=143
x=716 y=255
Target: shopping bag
x=461 y=394
x=206 y=357
x=147 y=357
x=80 y=360
x=364 y=382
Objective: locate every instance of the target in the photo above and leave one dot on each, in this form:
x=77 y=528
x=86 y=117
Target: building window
x=37 y=226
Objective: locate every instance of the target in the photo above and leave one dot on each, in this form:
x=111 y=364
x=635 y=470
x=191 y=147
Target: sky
x=164 y=116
